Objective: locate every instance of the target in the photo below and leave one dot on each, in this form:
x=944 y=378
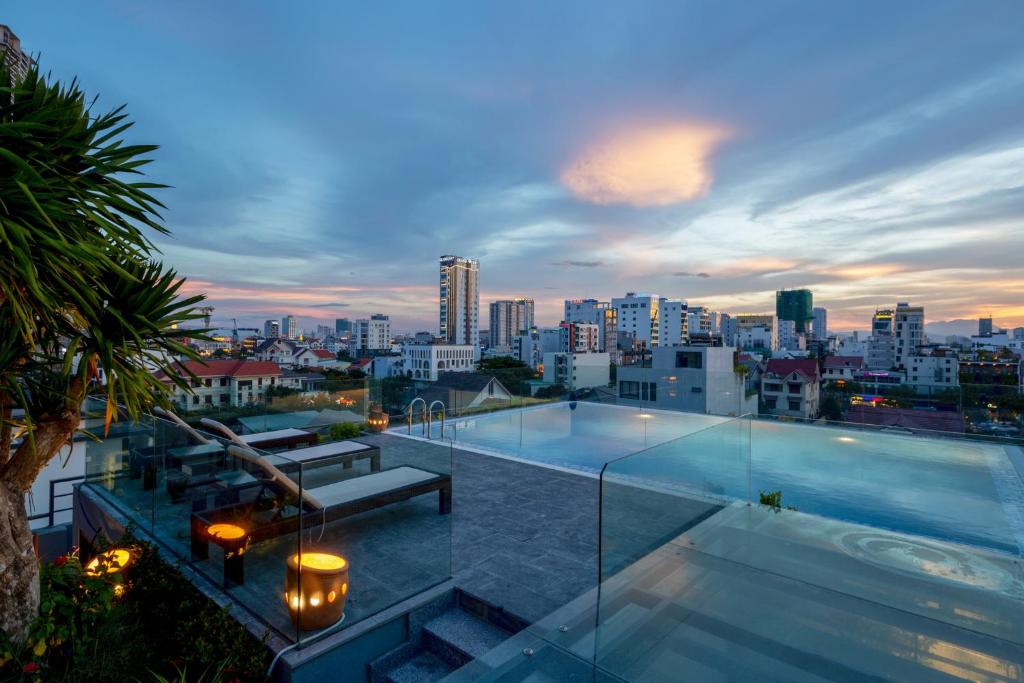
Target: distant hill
x=945 y=328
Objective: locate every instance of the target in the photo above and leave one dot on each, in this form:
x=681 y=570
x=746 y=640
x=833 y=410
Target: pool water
x=953 y=489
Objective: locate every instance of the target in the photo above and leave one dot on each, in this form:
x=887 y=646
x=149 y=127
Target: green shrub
x=146 y=619
x=345 y=430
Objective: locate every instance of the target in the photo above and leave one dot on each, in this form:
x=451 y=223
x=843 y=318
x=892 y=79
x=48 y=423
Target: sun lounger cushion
x=369 y=485
x=327 y=450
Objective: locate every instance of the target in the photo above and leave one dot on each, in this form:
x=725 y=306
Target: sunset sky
x=323 y=155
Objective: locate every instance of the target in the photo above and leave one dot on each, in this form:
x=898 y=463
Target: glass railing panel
x=856 y=581
x=378 y=511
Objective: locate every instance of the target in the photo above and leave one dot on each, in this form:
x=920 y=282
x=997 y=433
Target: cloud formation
x=580 y=151
x=646 y=166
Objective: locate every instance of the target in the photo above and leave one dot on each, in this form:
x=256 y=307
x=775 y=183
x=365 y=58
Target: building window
x=654 y=392
x=225 y=398
x=689 y=359
x=772 y=387
x=208 y=400
x=223 y=381
x=195 y=400
x=208 y=382
x=794 y=388
x=770 y=402
x=629 y=390
x=794 y=405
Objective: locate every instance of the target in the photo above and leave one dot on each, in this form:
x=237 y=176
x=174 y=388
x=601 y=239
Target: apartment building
x=651 y=320
x=371 y=334
x=459 y=312
x=757 y=332
x=791 y=387
x=579 y=338
x=908 y=328
x=934 y=371
x=508 y=318
x=600 y=313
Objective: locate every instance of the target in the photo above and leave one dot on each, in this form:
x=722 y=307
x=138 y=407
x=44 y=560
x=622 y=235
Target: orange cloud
x=648 y=166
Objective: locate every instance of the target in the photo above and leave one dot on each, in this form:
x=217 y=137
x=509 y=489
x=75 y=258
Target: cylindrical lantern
x=378 y=419
x=316 y=595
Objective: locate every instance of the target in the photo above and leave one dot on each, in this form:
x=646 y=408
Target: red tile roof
x=228 y=368
x=839 y=362
x=326 y=355
x=935 y=420
x=783 y=367
x=361 y=363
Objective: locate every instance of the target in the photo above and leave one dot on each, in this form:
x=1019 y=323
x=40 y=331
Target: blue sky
x=323 y=155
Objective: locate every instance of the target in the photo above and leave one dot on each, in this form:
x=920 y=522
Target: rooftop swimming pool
x=949 y=488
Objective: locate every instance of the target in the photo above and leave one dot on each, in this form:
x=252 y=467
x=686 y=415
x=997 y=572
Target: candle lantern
x=316 y=595
x=378 y=419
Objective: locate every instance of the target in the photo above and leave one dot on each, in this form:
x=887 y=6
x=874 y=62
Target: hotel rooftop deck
x=693 y=582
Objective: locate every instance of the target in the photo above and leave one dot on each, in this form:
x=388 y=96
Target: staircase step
x=458 y=637
x=423 y=668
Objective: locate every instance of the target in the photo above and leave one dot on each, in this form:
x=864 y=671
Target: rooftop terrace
x=634 y=572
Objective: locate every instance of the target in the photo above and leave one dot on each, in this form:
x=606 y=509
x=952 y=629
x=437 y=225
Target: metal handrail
x=51 y=513
x=430 y=416
x=426 y=414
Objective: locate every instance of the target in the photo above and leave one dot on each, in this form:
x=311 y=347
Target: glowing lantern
x=316 y=595
x=378 y=419
x=234 y=540
x=110 y=562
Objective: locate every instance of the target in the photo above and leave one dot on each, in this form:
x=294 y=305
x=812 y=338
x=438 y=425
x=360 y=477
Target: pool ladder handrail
x=430 y=416
x=426 y=414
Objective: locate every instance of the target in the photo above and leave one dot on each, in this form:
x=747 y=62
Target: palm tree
x=79 y=292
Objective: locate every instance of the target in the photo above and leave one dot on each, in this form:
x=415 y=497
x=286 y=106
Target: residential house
x=279 y=351
x=791 y=388
x=223 y=383
x=459 y=391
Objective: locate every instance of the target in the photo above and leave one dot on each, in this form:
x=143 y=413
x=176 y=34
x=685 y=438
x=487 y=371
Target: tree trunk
x=19 y=589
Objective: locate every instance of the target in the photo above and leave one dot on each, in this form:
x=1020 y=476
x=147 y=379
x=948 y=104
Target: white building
x=908 y=325
x=698 y=319
x=934 y=371
x=651 y=320
x=530 y=348
x=577 y=371
x=279 y=351
x=990 y=342
x=694 y=379
x=600 y=313
x=371 y=334
x=880 y=352
x=289 y=327
x=755 y=331
x=789 y=338
x=578 y=338
x=459 y=320
x=819 y=323
x=223 y=383
x=842 y=367
x=508 y=318
x=425 y=361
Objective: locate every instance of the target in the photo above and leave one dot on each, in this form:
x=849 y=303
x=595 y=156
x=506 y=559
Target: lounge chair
x=313 y=506
x=279 y=438
x=345 y=452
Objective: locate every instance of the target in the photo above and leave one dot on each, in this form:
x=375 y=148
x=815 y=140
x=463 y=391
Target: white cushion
x=326 y=450
x=369 y=485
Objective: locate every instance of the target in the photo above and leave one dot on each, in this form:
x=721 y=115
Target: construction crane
x=235 y=328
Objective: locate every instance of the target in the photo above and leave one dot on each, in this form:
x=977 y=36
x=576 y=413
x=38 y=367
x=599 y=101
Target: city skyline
x=690 y=152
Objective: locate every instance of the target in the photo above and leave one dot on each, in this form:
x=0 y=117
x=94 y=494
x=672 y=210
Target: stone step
x=423 y=668
x=458 y=637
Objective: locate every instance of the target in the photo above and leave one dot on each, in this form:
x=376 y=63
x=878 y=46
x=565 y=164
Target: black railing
x=51 y=511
